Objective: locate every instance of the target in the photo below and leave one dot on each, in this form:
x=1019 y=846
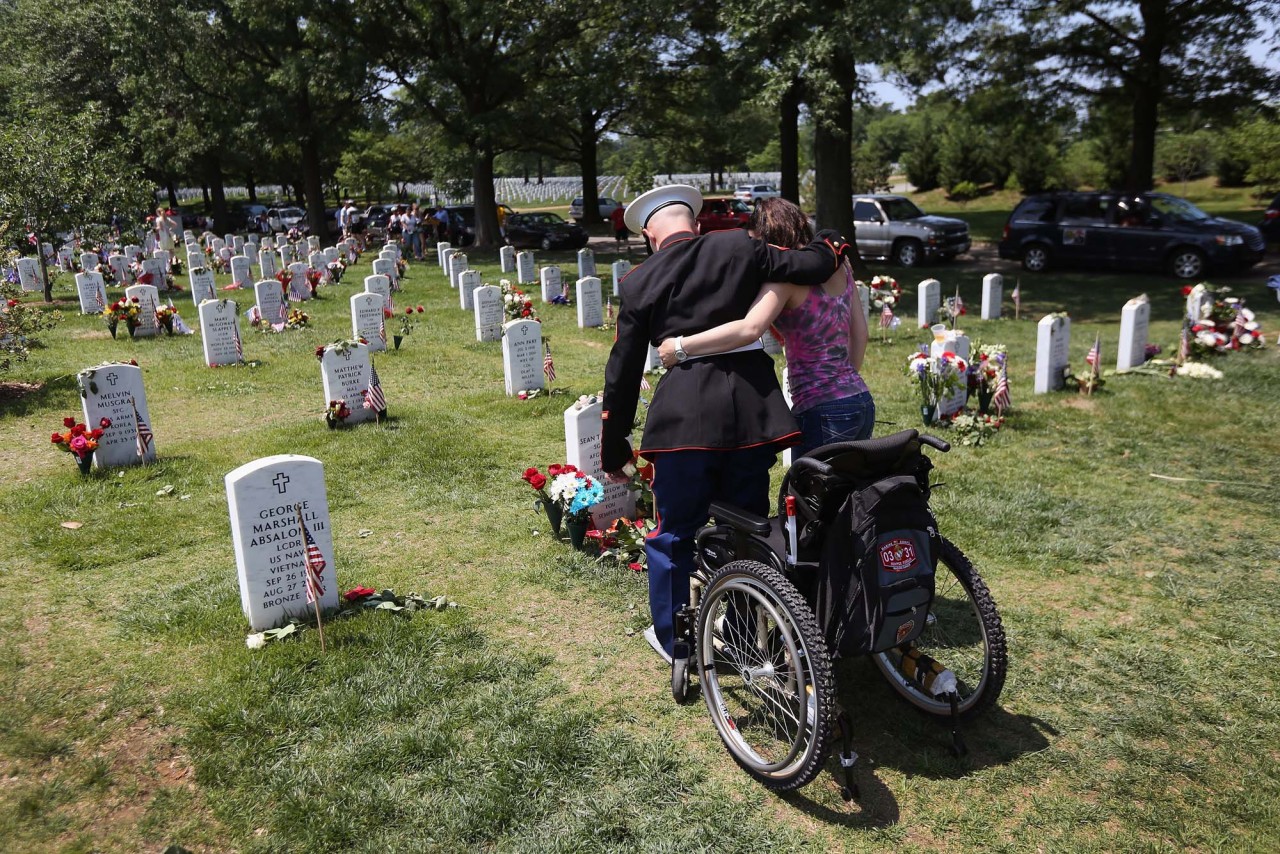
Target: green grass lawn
x=1140 y=712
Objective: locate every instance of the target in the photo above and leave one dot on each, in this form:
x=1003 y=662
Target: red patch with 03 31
x=898 y=555
x=904 y=630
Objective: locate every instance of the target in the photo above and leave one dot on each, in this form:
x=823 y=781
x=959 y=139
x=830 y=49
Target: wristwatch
x=681 y=355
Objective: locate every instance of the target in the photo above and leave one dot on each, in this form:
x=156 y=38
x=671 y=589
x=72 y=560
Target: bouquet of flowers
x=538 y=482
x=516 y=304
x=126 y=309
x=575 y=493
x=80 y=441
x=936 y=377
x=985 y=370
x=164 y=317
x=297 y=319
x=314 y=278
x=1220 y=322
x=336 y=269
x=624 y=541
x=337 y=412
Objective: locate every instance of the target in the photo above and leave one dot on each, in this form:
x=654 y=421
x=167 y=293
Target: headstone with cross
x=113 y=391
x=345 y=370
x=269 y=501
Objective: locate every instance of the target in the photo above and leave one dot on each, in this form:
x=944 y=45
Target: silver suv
x=893 y=227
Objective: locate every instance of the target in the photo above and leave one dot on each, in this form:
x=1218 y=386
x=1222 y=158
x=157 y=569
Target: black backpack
x=876 y=569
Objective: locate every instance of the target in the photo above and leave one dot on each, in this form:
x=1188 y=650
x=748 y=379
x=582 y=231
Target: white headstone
x=241 y=273
x=229 y=239
x=586 y=263
x=286 y=256
x=237 y=245
x=218 y=244
x=1197 y=300
x=298 y=288
x=132 y=251
x=590 y=304
x=522 y=355
x=112 y=391
x=267 y=266
x=385 y=267
x=271 y=305
x=864 y=297
x=488 y=310
x=264 y=498
x=119 y=269
x=507 y=257
x=448 y=254
x=330 y=255
x=1053 y=344
x=1135 y=318
x=952 y=342
x=440 y=250
x=313 y=243
x=654 y=361
x=378 y=285
x=368 y=319
x=992 y=295
x=316 y=261
x=194 y=259
x=552 y=284
x=457 y=264
x=66 y=257
x=148 y=302
x=582 y=431
x=88 y=261
x=929 y=300
x=467 y=283
x=92 y=291
x=156 y=269
x=220 y=332
x=165 y=259
x=526 y=272
x=346 y=373
x=203 y=286
x=619 y=269
x=29 y=274
x=772 y=345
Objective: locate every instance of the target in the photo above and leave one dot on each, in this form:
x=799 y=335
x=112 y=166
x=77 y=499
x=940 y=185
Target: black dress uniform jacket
x=689 y=285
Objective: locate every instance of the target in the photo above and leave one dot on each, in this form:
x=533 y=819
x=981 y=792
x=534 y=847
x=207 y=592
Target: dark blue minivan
x=1148 y=231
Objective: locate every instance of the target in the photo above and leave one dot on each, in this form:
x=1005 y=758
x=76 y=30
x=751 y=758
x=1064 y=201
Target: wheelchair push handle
x=935 y=442
x=810 y=464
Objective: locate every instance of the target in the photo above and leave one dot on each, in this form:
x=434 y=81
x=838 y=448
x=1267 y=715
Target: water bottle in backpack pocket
x=876 y=573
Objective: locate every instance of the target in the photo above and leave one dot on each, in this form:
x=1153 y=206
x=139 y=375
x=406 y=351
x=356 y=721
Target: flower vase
x=984 y=400
x=133 y=327
x=396 y=339
x=332 y=422
x=85 y=462
x=167 y=323
x=111 y=325
x=555 y=515
x=577 y=531
x=928 y=412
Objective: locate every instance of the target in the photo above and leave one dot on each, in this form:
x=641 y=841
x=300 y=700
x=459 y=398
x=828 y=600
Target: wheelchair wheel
x=963 y=633
x=765 y=674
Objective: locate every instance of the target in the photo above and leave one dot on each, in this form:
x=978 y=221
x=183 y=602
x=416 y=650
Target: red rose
x=68 y=422
x=12 y=303
x=635 y=567
x=529 y=473
x=1186 y=290
x=525 y=313
x=104 y=423
x=133 y=299
x=355 y=594
x=408 y=311
x=538 y=481
x=56 y=438
x=554 y=469
x=419 y=309
x=133 y=362
x=77 y=430
x=95 y=434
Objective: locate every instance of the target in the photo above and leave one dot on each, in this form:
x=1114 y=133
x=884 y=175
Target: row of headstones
x=1053 y=344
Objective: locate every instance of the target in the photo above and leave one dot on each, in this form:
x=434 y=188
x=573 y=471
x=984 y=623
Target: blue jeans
x=847 y=419
x=415 y=245
x=684 y=485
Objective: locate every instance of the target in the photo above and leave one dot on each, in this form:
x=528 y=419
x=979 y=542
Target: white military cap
x=647 y=204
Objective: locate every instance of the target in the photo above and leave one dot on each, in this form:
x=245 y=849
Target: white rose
x=256 y=641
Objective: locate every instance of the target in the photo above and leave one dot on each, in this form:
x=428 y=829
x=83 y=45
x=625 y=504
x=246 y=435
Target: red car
x=722 y=214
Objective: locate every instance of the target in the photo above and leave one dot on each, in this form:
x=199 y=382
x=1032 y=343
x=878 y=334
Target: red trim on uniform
x=604 y=415
x=676 y=238
x=657 y=517
x=789 y=438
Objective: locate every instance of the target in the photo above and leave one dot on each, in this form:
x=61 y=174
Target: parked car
x=544 y=230
x=1270 y=225
x=722 y=215
x=373 y=225
x=247 y=214
x=749 y=193
x=283 y=219
x=894 y=227
x=1148 y=231
x=607 y=207
x=462 y=223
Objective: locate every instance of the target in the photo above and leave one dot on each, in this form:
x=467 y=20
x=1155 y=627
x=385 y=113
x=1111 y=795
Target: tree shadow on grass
x=21 y=398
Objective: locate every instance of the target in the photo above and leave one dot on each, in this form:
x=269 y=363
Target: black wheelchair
x=762 y=659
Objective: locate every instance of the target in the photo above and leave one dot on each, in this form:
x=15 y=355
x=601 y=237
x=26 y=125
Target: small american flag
x=564 y=290
x=97 y=295
x=886 y=317
x=382 y=330
x=239 y=346
x=1094 y=357
x=548 y=366
x=959 y=304
x=145 y=436
x=644 y=383
x=1237 y=329
x=391 y=304
x=374 y=398
x=1001 y=398
x=1184 y=343
x=1017 y=296
x=315 y=566
x=608 y=315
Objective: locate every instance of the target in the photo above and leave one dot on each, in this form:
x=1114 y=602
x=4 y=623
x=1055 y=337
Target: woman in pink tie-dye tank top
x=824 y=329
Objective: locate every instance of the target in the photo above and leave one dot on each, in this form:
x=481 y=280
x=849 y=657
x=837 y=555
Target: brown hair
x=781 y=223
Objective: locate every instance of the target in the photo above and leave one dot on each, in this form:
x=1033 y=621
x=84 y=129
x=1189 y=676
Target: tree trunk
x=789 y=142
x=712 y=188
x=539 y=168
x=253 y=191
x=486 y=208
x=221 y=220
x=204 y=193
x=173 y=193
x=44 y=266
x=833 y=153
x=588 y=153
x=1147 y=88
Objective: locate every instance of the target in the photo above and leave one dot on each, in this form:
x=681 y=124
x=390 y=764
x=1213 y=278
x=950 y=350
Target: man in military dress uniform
x=716 y=423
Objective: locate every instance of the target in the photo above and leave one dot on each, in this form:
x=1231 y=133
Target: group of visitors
x=410 y=225
x=718 y=419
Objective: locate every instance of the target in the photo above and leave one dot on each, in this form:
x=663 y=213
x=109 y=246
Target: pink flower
x=79 y=444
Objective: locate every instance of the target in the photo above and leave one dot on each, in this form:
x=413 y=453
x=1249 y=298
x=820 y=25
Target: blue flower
x=588 y=495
